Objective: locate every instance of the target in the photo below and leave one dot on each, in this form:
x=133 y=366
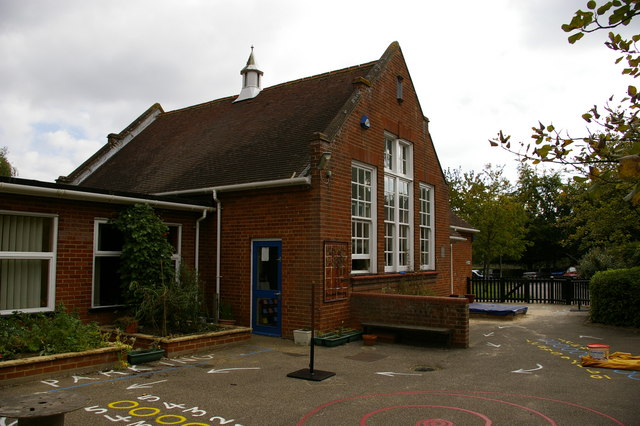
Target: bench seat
x=370 y=326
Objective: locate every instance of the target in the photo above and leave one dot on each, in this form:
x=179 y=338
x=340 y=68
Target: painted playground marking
x=437 y=408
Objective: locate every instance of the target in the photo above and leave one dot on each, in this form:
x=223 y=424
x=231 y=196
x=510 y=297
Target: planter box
x=140 y=356
x=302 y=337
x=192 y=343
x=333 y=339
x=25 y=369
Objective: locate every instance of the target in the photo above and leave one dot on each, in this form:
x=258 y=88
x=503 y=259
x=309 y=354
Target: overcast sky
x=73 y=71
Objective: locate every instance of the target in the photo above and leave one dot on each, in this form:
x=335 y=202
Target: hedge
x=615 y=297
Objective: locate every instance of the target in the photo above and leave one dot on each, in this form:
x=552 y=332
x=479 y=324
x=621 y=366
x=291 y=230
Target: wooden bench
x=403 y=330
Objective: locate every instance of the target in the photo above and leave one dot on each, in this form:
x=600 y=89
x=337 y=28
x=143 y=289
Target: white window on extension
x=27 y=261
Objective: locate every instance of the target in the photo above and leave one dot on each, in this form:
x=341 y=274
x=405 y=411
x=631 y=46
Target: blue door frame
x=267 y=288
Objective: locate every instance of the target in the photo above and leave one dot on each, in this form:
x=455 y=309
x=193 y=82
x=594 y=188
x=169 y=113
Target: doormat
x=366 y=356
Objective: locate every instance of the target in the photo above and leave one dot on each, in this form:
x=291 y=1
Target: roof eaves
x=115 y=142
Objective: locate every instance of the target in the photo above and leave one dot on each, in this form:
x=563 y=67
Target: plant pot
x=140 y=356
x=369 y=339
x=335 y=339
x=471 y=297
x=302 y=337
x=131 y=328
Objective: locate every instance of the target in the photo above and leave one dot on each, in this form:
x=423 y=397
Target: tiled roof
x=457 y=221
x=223 y=143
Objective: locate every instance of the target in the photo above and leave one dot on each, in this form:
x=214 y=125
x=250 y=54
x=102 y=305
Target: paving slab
x=521 y=371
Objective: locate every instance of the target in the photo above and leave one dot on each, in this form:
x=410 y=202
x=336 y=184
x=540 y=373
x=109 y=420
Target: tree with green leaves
x=6 y=169
x=486 y=201
x=545 y=202
x=609 y=154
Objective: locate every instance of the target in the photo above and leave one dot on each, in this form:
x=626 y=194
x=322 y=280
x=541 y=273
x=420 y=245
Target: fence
x=548 y=290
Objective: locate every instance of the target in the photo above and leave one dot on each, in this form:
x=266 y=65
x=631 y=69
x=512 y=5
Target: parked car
x=572 y=272
x=531 y=275
x=475 y=273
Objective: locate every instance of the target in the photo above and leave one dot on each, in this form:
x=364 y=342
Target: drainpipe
x=451 y=265
x=200 y=219
x=218 y=248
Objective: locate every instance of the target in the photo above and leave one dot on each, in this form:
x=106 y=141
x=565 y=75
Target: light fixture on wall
x=323 y=164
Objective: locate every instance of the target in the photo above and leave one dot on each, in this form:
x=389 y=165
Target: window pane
x=388 y=154
x=23 y=283
x=25 y=233
x=109 y=238
x=174 y=237
x=388 y=244
x=107 y=289
x=360 y=264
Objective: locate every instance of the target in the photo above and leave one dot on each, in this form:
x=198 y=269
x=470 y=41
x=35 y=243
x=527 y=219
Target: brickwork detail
x=446 y=312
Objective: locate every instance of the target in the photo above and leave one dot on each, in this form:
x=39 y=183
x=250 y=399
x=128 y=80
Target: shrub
x=146 y=252
x=46 y=334
x=171 y=307
x=615 y=297
x=598 y=259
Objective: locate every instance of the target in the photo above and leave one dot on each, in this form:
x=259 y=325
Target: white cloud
x=74 y=71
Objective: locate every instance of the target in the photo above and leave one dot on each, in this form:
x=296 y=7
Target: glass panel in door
x=267 y=287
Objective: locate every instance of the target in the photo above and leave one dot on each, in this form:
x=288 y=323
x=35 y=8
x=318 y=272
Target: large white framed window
x=28 y=243
x=398 y=204
x=107 y=249
x=427 y=218
x=363 y=218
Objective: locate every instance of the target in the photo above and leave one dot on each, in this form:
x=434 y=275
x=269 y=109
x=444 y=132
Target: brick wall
x=74 y=265
x=462 y=263
x=446 y=312
x=275 y=214
x=44 y=367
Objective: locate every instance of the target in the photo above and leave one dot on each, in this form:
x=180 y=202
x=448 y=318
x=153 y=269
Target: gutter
x=70 y=194
x=277 y=183
x=460 y=228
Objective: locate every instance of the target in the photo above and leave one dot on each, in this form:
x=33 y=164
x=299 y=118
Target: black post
x=310 y=373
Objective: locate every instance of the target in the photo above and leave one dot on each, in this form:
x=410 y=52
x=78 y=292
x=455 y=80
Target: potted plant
x=140 y=356
x=339 y=336
x=302 y=336
x=369 y=339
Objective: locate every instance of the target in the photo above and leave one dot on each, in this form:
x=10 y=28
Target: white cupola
x=251 y=80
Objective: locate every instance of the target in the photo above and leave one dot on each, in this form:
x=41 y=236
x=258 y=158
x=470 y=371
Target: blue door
x=267 y=287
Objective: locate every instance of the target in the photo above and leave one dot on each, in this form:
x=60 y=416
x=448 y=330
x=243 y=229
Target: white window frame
x=176 y=257
x=427 y=227
x=49 y=256
x=100 y=253
x=398 y=174
x=371 y=221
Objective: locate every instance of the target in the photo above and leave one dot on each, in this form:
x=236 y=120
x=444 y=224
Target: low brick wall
x=449 y=312
x=185 y=345
x=25 y=369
